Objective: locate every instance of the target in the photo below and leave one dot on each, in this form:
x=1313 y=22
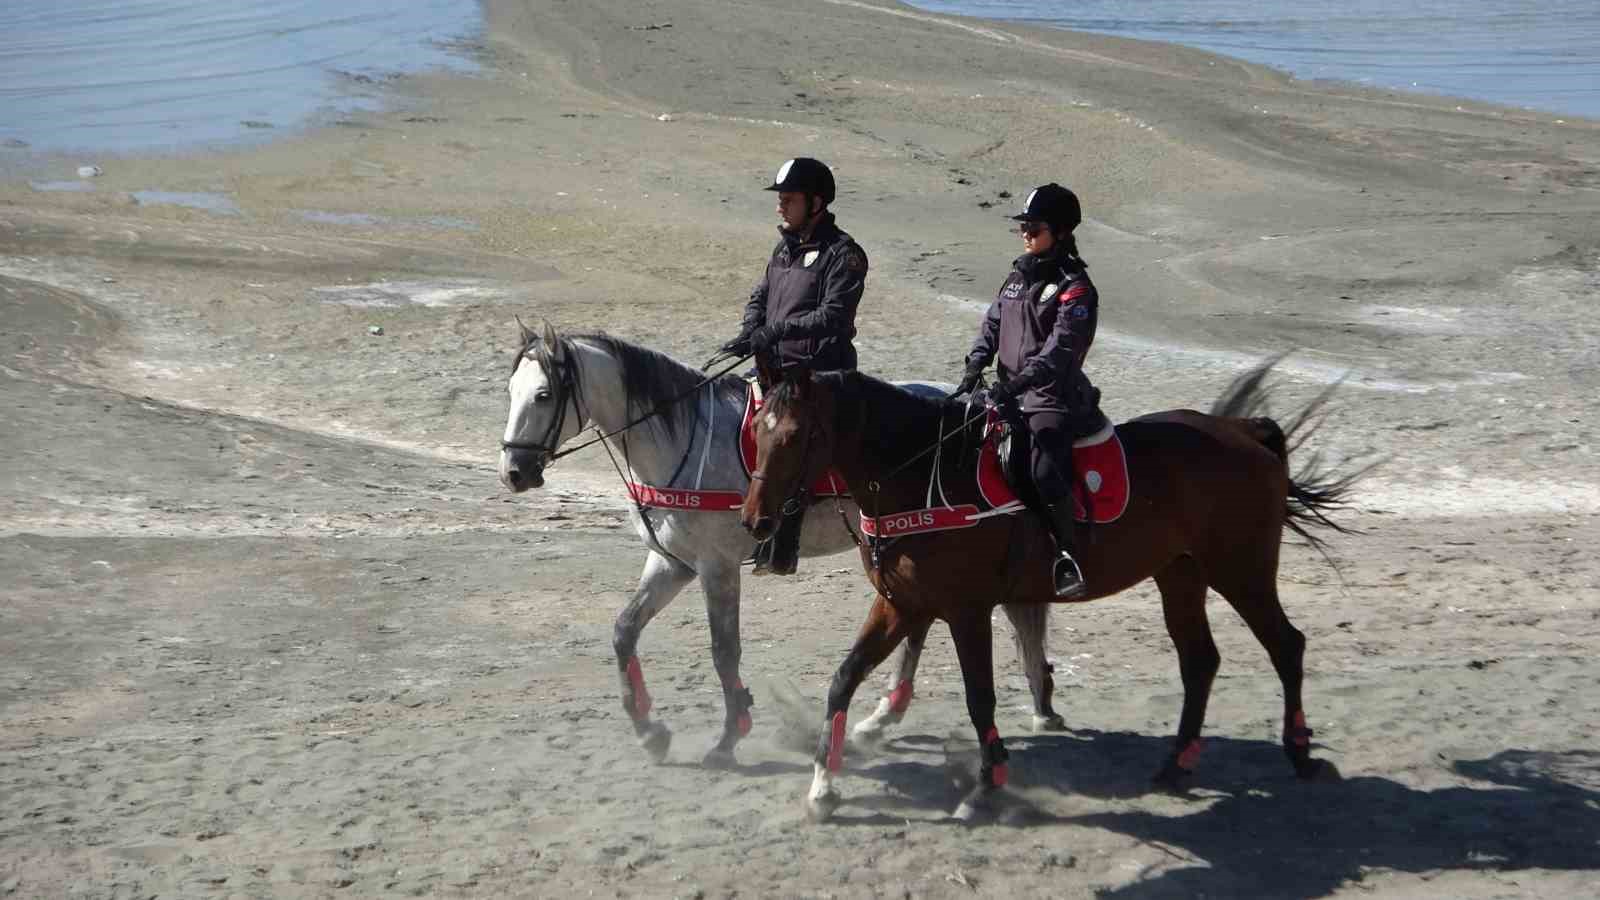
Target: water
x=145 y=75
x=1539 y=54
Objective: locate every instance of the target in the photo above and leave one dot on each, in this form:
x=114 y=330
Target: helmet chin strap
x=812 y=217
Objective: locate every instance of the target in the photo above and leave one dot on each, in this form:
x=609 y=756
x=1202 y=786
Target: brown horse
x=1211 y=495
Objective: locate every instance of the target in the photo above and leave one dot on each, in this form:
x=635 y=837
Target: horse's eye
x=542 y=397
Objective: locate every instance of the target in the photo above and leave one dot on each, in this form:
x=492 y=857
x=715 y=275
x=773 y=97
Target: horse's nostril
x=513 y=477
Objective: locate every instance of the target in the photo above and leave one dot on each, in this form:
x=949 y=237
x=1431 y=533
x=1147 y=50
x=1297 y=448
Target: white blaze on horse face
x=525 y=422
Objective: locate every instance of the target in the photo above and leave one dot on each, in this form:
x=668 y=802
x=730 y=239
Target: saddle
x=1100 y=471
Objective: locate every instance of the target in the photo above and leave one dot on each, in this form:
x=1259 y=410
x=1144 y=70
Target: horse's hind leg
x=974 y=639
x=1183 y=605
x=721 y=583
x=1256 y=601
x=660 y=582
x=885 y=627
x=1030 y=623
x=892 y=708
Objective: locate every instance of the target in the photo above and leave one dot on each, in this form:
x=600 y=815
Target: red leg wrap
x=1189 y=757
x=836 y=743
x=743 y=723
x=641 y=697
x=1299 y=734
x=900 y=697
x=999 y=773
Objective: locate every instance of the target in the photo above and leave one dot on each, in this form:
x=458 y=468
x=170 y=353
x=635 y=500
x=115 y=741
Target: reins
x=568 y=381
x=568 y=385
x=875 y=540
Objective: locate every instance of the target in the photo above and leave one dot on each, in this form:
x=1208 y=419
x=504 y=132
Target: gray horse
x=687 y=459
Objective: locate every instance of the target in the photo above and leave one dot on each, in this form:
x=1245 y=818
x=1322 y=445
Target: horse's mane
x=651 y=380
x=894 y=423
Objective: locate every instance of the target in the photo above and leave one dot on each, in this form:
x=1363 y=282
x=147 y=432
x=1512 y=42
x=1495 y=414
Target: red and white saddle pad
x=1097 y=460
x=829 y=485
x=702 y=500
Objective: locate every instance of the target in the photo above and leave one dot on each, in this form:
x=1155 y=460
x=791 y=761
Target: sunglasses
x=1030 y=229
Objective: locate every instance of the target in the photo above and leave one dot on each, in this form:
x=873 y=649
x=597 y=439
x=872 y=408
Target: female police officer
x=1040 y=327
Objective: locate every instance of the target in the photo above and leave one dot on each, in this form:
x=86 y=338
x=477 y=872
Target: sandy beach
x=271 y=626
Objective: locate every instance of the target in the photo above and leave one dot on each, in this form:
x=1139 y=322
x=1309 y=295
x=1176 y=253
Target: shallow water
x=203 y=200
x=1540 y=54
x=137 y=75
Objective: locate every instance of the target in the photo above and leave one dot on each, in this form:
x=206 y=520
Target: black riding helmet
x=804 y=175
x=1053 y=205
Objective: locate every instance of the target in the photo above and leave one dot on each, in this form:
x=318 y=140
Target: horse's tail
x=1317 y=490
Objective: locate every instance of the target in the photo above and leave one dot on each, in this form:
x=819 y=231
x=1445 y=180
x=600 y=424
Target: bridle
x=566 y=386
x=874 y=542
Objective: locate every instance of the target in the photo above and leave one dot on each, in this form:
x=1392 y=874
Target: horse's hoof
x=718 y=758
x=1052 y=722
x=1171 y=778
x=978 y=806
x=869 y=735
x=820 y=807
x=1321 y=771
x=656 y=740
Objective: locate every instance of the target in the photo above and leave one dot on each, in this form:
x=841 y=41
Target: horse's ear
x=551 y=341
x=524 y=333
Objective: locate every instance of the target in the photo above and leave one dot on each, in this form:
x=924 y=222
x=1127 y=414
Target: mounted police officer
x=802 y=314
x=1039 y=329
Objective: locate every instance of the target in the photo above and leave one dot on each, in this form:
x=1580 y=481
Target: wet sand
x=273 y=628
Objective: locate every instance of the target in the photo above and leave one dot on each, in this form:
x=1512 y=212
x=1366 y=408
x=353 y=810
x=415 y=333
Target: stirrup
x=1068 y=578
x=762 y=558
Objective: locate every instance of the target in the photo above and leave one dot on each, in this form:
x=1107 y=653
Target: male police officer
x=802 y=315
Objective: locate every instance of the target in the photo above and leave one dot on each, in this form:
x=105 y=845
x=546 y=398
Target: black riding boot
x=1069 y=581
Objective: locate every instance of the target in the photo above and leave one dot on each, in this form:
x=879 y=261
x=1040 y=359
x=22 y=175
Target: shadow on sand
x=1252 y=829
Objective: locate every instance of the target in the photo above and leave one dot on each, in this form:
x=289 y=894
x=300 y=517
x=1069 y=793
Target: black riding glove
x=739 y=346
x=763 y=339
x=1003 y=393
x=969 y=381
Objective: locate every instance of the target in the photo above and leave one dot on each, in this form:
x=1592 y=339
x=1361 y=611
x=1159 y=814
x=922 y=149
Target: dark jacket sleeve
x=983 y=349
x=755 y=310
x=1068 y=344
x=842 y=284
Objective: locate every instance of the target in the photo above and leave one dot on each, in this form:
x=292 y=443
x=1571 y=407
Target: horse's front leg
x=892 y=708
x=1030 y=624
x=660 y=582
x=721 y=584
x=885 y=627
x=973 y=635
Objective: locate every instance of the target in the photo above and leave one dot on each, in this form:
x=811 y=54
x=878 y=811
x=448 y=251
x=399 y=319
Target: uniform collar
x=1034 y=267
x=821 y=233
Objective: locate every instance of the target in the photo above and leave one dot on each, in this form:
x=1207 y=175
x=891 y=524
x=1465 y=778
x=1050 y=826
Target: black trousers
x=1052 y=433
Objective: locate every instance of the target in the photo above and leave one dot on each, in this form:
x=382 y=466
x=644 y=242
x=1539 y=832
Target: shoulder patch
x=1079 y=312
x=1071 y=294
x=854 y=259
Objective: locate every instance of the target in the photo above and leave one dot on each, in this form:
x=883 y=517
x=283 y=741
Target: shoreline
x=1345 y=84
x=491 y=191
